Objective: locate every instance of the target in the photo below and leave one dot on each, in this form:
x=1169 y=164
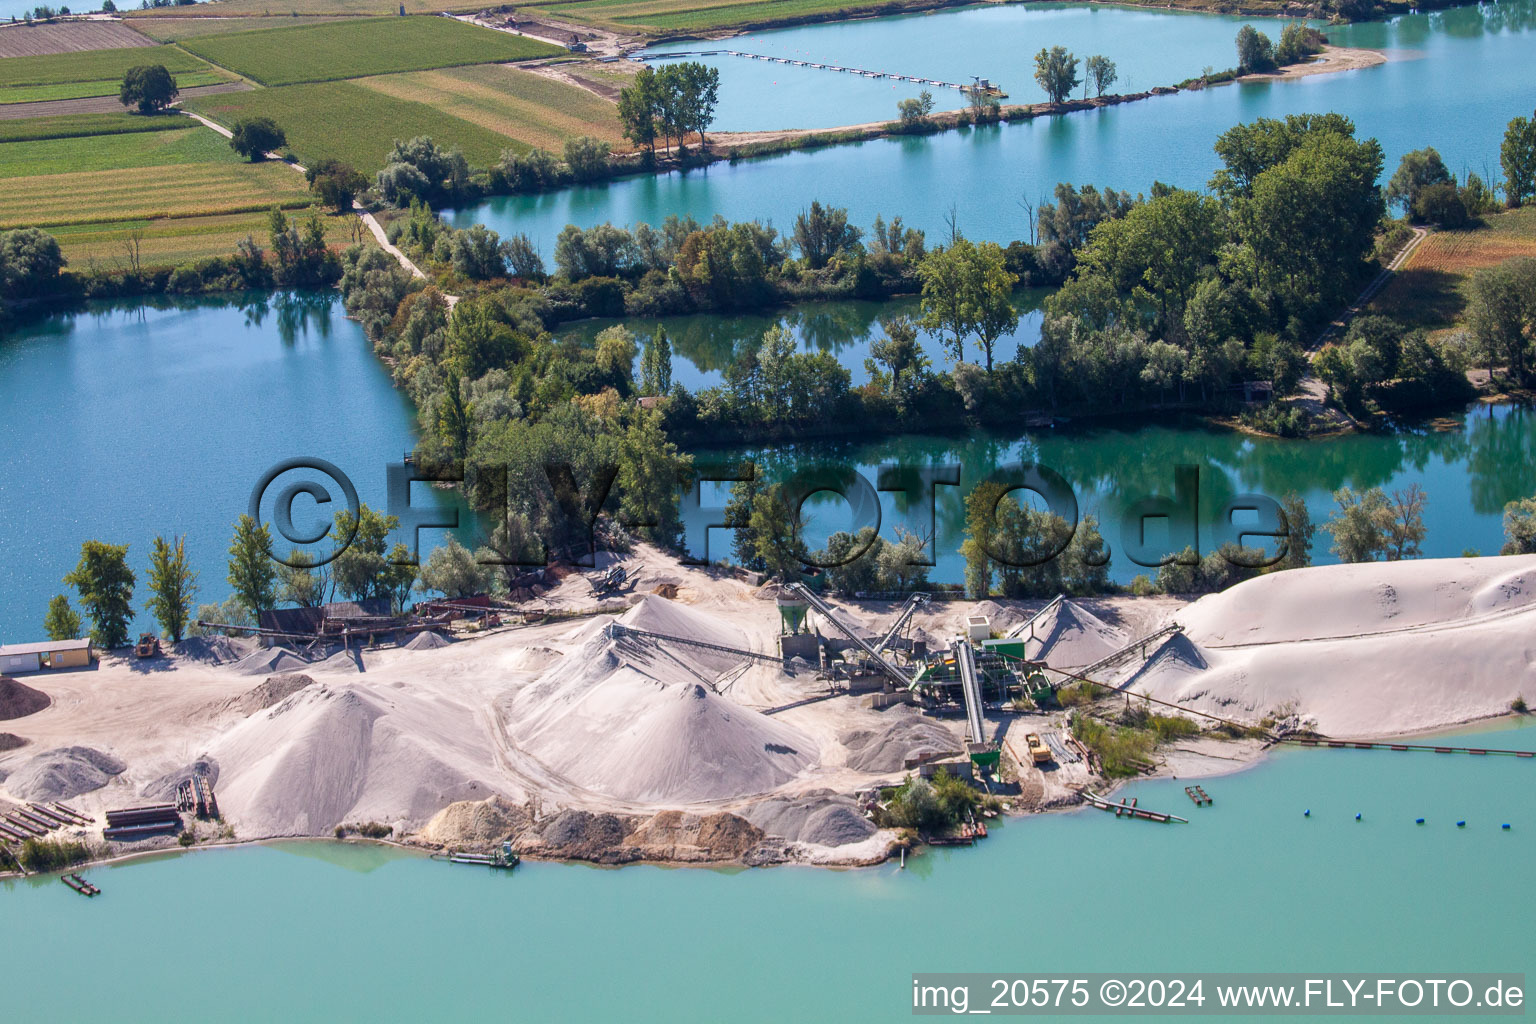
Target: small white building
x=16 y=658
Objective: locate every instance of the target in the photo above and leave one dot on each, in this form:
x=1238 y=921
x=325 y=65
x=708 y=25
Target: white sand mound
x=1070 y=636
x=349 y=753
x=820 y=818
x=905 y=733
x=269 y=661
x=658 y=615
x=272 y=691
x=345 y=660
x=427 y=640
x=215 y=650
x=626 y=721
x=63 y=773
x=1345 y=600
x=1364 y=650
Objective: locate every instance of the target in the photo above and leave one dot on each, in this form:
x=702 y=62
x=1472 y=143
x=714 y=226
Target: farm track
x=100 y=104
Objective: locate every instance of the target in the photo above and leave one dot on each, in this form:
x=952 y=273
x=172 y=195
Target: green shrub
x=1518 y=706
x=1121 y=751
x=52 y=855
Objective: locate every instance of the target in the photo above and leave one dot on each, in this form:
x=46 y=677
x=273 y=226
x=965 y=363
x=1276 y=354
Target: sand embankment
x=1375 y=649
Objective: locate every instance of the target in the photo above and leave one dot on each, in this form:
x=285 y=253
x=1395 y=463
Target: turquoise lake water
x=160 y=419
x=1149 y=48
x=1456 y=79
x=1470 y=466
x=323 y=932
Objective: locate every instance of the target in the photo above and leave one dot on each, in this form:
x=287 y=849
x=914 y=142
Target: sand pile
x=1069 y=636
x=268 y=661
x=1372 y=649
x=427 y=640
x=329 y=754
x=344 y=660
x=658 y=615
x=475 y=823
x=666 y=590
x=275 y=690
x=1175 y=657
x=18 y=700
x=634 y=722
x=580 y=835
x=215 y=650
x=905 y=734
x=821 y=818
x=1000 y=617
x=63 y=773
x=10 y=741
x=164 y=788
x=693 y=838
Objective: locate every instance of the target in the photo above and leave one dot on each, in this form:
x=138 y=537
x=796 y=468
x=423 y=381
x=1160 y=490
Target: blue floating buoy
x=1461 y=824
x=1357 y=815
x=1506 y=826
x=1308 y=813
x=1418 y=821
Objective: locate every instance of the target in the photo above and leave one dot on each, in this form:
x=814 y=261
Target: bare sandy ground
x=1332 y=58
x=559 y=719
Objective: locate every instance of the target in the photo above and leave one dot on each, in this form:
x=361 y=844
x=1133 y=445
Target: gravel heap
x=18 y=700
x=63 y=773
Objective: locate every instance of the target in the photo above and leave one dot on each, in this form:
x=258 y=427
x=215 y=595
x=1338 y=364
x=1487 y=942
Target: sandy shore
x=1332 y=59
x=580 y=745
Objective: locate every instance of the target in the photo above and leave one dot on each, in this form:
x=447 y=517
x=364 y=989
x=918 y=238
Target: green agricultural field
x=352 y=123
x=706 y=14
x=93 y=65
x=149 y=192
x=195 y=144
x=525 y=107
x=258 y=8
x=173 y=241
x=68 y=126
x=103 y=87
x=335 y=50
x=173 y=29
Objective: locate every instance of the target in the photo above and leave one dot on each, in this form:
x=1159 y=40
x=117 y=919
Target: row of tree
x=671 y=103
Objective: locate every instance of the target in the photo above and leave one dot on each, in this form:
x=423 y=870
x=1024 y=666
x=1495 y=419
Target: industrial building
x=50 y=654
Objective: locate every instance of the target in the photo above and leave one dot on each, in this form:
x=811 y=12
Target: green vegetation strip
x=67 y=126
x=351 y=123
x=336 y=50
x=93 y=65
x=194 y=145
x=104 y=87
x=177 y=190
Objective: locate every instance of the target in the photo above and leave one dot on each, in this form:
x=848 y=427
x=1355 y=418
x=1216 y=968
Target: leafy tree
x=1298 y=532
x=335 y=183
x=149 y=87
x=172 y=584
x=616 y=351
x=477 y=253
x=1416 y=171
x=251 y=574
x=1370 y=525
x=1405 y=528
x=255 y=137
x=650 y=468
x=1441 y=205
x=587 y=158
x=1102 y=73
x=1502 y=314
x=1517 y=155
x=1254 y=50
x=967 y=289
x=30 y=261
x=774 y=530
x=656 y=364
x=451 y=570
x=61 y=622
x=362 y=570
x=915 y=110
x=640 y=108
x=990 y=285
x=523 y=258
x=1056 y=71
x=527 y=172
x=1297 y=43
x=420 y=169
x=823 y=232
x=299 y=583
x=899 y=352
x=105 y=585
x=1519 y=529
